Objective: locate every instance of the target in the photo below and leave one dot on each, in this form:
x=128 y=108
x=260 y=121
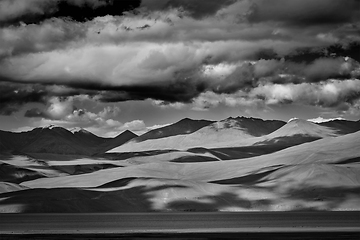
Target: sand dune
x=303 y=127
x=216 y=132
x=320 y=175
x=228 y=134
x=330 y=150
x=326 y=175
x=10 y=187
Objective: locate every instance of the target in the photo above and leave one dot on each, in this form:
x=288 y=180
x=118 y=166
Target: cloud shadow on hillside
x=257 y=149
x=331 y=197
x=216 y=203
x=249 y=179
x=73 y=200
x=350 y=160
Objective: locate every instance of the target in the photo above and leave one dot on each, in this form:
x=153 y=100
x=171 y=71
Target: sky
x=114 y=65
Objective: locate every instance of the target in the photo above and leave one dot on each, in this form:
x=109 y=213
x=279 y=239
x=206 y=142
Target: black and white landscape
x=236 y=164
x=179 y=106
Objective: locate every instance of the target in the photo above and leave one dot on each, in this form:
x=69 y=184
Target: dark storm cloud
x=56 y=109
x=197 y=9
x=274 y=52
x=245 y=78
x=305 y=12
x=185 y=86
x=308 y=55
x=14 y=96
x=177 y=92
x=49 y=35
x=242 y=78
x=35 y=11
x=35 y=113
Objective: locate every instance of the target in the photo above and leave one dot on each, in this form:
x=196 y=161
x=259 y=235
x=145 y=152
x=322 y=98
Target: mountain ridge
x=229 y=129
x=59 y=140
x=183 y=126
x=229 y=133
x=185 y=133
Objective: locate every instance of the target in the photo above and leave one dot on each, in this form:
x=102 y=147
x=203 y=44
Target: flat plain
x=170 y=223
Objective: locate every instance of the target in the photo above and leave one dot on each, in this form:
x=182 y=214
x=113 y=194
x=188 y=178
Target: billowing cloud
x=136 y=125
x=64 y=112
x=109 y=111
x=57 y=108
x=337 y=95
x=208 y=100
x=164 y=104
x=14 y=96
x=333 y=93
x=177 y=53
x=47 y=36
x=196 y=9
x=12 y=9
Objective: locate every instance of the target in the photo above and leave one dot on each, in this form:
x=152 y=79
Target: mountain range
x=242 y=131
x=58 y=140
x=182 y=135
x=235 y=164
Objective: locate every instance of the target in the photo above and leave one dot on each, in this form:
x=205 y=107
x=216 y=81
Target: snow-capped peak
x=78 y=129
x=49 y=127
x=321 y=120
x=293 y=119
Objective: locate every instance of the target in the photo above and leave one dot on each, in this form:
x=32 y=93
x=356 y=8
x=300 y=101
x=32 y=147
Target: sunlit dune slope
x=16 y=169
x=326 y=175
x=15 y=174
x=230 y=133
x=184 y=126
x=331 y=150
x=10 y=187
x=303 y=127
x=229 y=130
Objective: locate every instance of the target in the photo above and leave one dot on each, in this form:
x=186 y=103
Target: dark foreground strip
x=246 y=225
x=195 y=236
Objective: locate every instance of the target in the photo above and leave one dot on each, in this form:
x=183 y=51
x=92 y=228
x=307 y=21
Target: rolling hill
x=229 y=130
x=305 y=128
x=310 y=176
x=57 y=140
x=343 y=126
x=226 y=136
x=184 y=126
x=278 y=170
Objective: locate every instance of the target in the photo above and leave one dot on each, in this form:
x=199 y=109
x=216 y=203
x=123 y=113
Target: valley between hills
x=236 y=164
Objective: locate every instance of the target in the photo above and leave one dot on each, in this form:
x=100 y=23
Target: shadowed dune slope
x=343 y=126
x=323 y=151
x=184 y=126
x=14 y=174
x=321 y=175
x=230 y=133
x=116 y=141
x=257 y=149
x=304 y=177
x=326 y=175
x=303 y=127
x=10 y=187
x=229 y=130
